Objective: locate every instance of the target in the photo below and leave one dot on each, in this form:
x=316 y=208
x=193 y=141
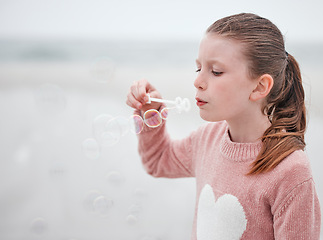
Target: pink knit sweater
x=280 y=204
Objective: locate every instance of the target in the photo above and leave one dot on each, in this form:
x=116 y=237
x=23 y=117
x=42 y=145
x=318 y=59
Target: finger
x=155 y=94
x=133 y=102
x=143 y=88
x=135 y=90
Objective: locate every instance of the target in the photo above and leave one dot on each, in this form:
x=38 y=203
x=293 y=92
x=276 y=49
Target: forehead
x=224 y=49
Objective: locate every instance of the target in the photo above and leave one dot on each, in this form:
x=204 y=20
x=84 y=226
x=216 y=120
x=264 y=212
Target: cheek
x=234 y=97
x=225 y=93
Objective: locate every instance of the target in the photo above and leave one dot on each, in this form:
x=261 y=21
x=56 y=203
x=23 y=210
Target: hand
x=137 y=97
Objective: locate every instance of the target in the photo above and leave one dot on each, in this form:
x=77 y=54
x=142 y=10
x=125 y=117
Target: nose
x=199 y=82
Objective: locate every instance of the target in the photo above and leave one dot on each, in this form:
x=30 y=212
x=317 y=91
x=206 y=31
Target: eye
x=217 y=74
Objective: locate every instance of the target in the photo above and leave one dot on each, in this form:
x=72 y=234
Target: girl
x=253 y=178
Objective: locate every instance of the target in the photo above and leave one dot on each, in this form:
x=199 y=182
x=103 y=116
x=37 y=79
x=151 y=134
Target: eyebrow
x=211 y=61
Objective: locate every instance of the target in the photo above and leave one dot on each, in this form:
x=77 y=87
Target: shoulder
x=291 y=173
x=294 y=168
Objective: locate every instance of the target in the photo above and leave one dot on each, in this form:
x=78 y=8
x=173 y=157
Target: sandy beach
x=58 y=183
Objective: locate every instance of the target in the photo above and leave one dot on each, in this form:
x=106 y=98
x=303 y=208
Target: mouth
x=200 y=102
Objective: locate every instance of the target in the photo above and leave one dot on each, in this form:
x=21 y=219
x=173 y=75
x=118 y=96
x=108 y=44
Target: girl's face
x=223 y=84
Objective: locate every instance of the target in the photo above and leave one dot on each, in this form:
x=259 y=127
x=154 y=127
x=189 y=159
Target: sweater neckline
x=239 y=152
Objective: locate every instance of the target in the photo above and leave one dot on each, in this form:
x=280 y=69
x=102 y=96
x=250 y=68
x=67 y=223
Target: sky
x=149 y=19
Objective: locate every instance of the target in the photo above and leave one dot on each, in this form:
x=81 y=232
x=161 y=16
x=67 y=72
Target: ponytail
x=287 y=113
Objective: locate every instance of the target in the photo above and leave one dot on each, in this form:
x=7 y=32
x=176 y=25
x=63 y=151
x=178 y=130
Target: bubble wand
x=180 y=104
x=153 y=118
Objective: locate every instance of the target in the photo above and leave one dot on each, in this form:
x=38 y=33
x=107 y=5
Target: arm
x=299 y=216
x=163 y=157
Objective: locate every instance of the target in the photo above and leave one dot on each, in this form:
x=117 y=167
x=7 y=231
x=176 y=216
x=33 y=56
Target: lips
x=200 y=102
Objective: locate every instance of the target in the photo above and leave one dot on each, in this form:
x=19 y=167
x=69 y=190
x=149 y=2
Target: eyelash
x=214 y=72
x=217 y=73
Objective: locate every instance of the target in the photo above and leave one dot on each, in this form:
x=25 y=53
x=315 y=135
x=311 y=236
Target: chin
x=206 y=117
x=209 y=118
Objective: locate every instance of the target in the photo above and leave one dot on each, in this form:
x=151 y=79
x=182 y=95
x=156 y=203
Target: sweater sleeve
x=163 y=157
x=299 y=216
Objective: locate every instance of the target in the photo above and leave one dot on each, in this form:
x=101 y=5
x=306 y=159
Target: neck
x=248 y=129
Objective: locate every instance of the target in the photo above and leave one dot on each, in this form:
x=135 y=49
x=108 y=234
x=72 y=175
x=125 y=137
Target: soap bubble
x=50 y=99
x=131 y=219
x=102 y=205
x=112 y=133
x=135 y=210
x=102 y=70
x=164 y=113
x=108 y=130
x=123 y=125
x=96 y=202
x=99 y=126
x=152 y=118
x=110 y=138
x=114 y=130
x=39 y=226
x=91 y=148
x=115 y=177
x=89 y=200
x=139 y=193
x=136 y=124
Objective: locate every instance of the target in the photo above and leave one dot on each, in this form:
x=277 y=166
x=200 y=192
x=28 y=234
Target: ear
x=263 y=87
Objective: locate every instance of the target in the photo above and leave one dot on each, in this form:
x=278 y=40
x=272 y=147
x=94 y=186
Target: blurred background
x=69 y=167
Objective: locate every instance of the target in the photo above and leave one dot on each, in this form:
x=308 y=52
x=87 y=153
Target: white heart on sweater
x=223 y=219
